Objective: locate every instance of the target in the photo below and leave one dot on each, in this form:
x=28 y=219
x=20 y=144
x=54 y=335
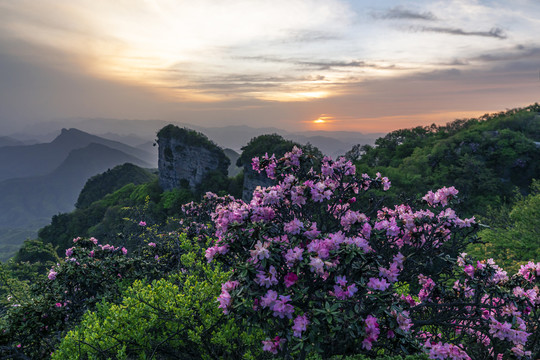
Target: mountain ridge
x=22 y=161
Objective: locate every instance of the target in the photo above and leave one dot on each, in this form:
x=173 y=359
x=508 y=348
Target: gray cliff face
x=252 y=179
x=184 y=164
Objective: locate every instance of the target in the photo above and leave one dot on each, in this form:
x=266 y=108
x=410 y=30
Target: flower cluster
x=493 y=314
x=225 y=297
x=441 y=196
x=308 y=253
x=446 y=351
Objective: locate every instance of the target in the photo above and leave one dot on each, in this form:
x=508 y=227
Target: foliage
x=108 y=182
x=103 y=219
x=486 y=158
x=32 y=259
x=187 y=136
x=380 y=357
x=513 y=239
x=309 y=262
x=484 y=312
x=317 y=266
x=172 y=200
x=169 y=318
x=269 y=144
x=34 y=321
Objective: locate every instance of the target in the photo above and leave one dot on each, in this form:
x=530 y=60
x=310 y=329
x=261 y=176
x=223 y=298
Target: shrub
x=34 y=323
x=313 y=257
x=169 y=318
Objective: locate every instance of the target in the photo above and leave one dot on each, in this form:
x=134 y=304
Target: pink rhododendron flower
x=269 y=299
x=469 y=270
x=290 y=279
x=69 y=252
x=378 y=284
x=293 y=227
x=441 y=196
x=212 y=251
x=293 y=255
x=52 y=274
x=403 y=320
x=341 y=280
x=142 y=223
x=300 y=325
x=273 y=345
x=224 y=298
x=260 y=251
x=446 y=351
x=152 y=244
x=372 y=332
x=281 y=309
x=267 y=279
x=312 y=233
x=317 y=265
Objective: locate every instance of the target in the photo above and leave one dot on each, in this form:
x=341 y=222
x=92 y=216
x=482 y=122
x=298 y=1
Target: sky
x=357 y=65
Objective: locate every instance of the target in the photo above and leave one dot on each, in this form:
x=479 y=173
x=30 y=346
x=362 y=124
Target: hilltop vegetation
x=108 y=182
x=485 y=158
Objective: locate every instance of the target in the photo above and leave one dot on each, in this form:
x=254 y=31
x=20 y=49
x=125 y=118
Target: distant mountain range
x=40 y=159
x=138 y=132
x=9 y=141
x=25 y=201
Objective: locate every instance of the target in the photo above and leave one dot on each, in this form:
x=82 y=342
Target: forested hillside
x=487 y=158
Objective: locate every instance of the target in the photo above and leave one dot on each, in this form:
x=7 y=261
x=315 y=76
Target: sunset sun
x=323 y=119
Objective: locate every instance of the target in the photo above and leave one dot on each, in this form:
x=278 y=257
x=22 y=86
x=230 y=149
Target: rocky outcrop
x=186 y=157
x=258 y=146
x=252 y=179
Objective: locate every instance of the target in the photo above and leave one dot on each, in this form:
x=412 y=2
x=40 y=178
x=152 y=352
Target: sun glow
x=323 y=119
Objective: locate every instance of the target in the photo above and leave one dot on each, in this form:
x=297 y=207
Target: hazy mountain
x=27 y=200
x=9 y=141
x=39 y=159
x=29 y=203
x=233 y=156
x=129 y=139
x=330 y=143
x=150 y=147
x=134 y=132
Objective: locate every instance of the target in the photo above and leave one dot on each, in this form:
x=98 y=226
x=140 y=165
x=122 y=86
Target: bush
x=309 y=260
x=34 y=322
x=169 y=318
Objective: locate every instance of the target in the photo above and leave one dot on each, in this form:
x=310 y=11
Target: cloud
x=399 y=12
x=328 y=65
x=495 y=32
x=309 y=37
x=324 y=64
x=520 y=52
x=455 y=62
